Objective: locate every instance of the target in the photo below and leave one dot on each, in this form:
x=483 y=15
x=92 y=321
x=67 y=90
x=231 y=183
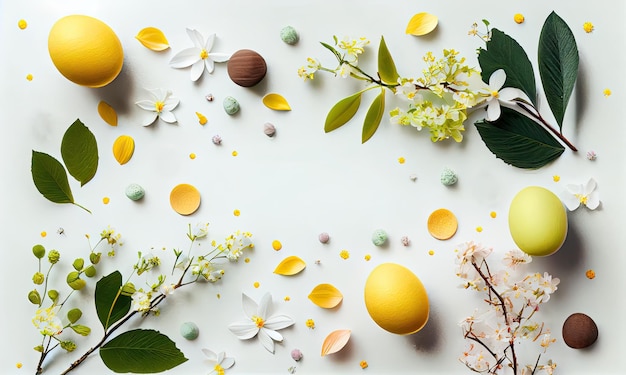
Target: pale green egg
x=537 y=221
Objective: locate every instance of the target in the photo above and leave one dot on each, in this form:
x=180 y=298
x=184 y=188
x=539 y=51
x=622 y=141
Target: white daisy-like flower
x=160 y=106
x=260 y=322
x=579 y=194
x=219 y=361
x=497 y=96
x=199 y=56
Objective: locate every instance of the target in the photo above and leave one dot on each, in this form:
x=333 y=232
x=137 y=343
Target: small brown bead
x=246 y=68
x=579 y=331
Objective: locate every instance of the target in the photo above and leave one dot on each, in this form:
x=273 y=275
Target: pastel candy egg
x=135 y=192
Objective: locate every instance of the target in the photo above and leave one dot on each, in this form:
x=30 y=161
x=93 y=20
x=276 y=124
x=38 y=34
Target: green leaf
x=50 y=178
x=503 y=52
x=386 y=67
x=342 y=112
x=332 y=49
x=141 y=351
x=558 y=64
x=373 y=117
x=80 y=152
x=519 y=141
x=111 y=305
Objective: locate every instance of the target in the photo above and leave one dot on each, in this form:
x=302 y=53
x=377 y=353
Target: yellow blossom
x=588 y=27
x=518 y=18
x=345 y=254
x=310 y=323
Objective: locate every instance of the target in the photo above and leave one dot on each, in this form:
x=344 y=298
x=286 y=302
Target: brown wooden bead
x=579 y=331
x=246 y=68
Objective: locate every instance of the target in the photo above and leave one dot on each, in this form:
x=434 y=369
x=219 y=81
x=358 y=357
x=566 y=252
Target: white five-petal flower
x=161 y=106
x=220 y=361
x=578 y=194
x=258 y=322
x=199 y=56
x=497 y=95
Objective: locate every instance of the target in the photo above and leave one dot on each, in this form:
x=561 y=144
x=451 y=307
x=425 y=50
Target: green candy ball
x=189 y=330
x=379 y=237
x=289 y=35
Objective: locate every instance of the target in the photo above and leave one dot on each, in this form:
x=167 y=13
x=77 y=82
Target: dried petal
x=326 y=296
x=335 y=341
x=123 y=148
x=422 y=24
x=107 y=113
x=153 y=39
x=290 y=266
x=276 y=102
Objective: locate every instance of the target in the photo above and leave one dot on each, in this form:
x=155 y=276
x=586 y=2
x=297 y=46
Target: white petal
x=590 y=186
x=497 y=79
x=593 y=200
x=574 y=189
x=158 y=94
x=210 y=354
x=244 y=330
x=146 y=105
x=570 y=201
x=219 y=57
x=509 y=93
x=278 y=322
x=249 y=306
x=220 y=357
x=185 y=58
x=493 y=110
x=149 y=119
x=168 y=117
x=273 y=334
x=197 y=69
x=267 y=341
x=209 y=42
x=228 y=362
x=196 y=38
x=264 y=306
x=170 y=103
x=209 y=64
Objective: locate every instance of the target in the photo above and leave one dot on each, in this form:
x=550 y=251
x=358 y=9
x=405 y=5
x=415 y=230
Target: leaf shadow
x=581 y=89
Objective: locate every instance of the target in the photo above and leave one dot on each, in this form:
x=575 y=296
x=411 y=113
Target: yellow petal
x=185 y=199
x=201 y=118
x=153 y=38
x=123 y=149
x=326 y=296
x=335 y=341
x=107 y=113
x=422 y=24
x=276 y=102
x=290 y=266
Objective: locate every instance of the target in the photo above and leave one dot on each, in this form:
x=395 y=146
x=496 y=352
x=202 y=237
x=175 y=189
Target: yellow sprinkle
x=287 y=298
x=431 y=252
x=106 y=200
x=22 y=24
x=192 y=156
x=219 y=296
x=607 y=92
x=247 y=260
x=518 y=18
x=236 y=212
x=345 y=254
x=556 y=178
x=479 y=229
x=257 y=284
x=493 y=214
x=401 y=160
x=368 y=257
x=363 y=364
x=588 y=27
x=235 y=153
x=590 y=274
x=29 y=77
x=201 y=118
x=276 y=245
x=43 y=234
x=310 y=323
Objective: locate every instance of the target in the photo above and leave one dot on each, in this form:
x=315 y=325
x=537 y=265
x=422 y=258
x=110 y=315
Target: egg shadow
x=428 y=339
x=118 y=91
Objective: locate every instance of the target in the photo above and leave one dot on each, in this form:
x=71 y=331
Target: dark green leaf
x=50 y=178
x=386 y=66
x=141 y=351
x=373 y=117
x=503 y=52
x=111 y=305
x=519 y=141
x=558 y=64
x=80 y=152
x=342 y=112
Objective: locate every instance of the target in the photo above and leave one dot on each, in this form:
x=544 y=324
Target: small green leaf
x=50 y=178
x=73 y=315
x=558 y=64
x=80 y=152
x=503 y=52
x=519 y=141
x=386 y=66
x=141 y=351
x=373 y=117
x=111 y=305
x=81 y=330
x=332 y=49
x=342 y=112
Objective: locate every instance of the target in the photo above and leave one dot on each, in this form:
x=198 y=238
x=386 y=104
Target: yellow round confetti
x=345 y=254
x=363 y=364
x=518 y=18
x=479 y=229
x=493 y=214
x=276 y=245
x=43 y=234
x=287 y=298
x=185 y=199
x=590 y=274
x=192 y=156
x=106 y=200
x=236 y=212
x=29 y=77
x=18 y=365
x=442 y=224
x=368 y=257
x=607 y=92
x=247 y=260
x=556 y=178
x=257 y=284
x=588 y=27
x=431 y=252
x=22 y=24
x=235 y=153
x=401 y=160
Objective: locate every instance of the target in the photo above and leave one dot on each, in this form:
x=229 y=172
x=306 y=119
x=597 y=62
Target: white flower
x=513 y=258
x=200 y=231
x=161 y=106
x=47 y=321
x=259 y=323
x=353 y=47
x=167 y=289
x=497 y=95
x=141 y=301
x=581 y=194
x=199 y=56
x=344 y=70
x=220 y=361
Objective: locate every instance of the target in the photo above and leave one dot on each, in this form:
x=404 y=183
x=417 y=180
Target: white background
x=303 y=182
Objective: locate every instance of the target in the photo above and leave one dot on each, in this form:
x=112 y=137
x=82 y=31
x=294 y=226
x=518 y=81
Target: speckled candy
x=231 y=105
x=189 y=330
x=135 y=192
x=289 y=35
x=379 y=237
x=246 y=68
x=448 y=177
x=579 y=331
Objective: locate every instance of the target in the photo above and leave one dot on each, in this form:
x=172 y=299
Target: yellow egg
x=396 y=299
x=85 y=50
x=537 y=221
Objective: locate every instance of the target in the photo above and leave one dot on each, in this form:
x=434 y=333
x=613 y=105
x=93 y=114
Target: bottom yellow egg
x=396 y=299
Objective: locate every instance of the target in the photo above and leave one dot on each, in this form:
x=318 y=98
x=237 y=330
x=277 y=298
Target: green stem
x=76 y=204
x=535 y=115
